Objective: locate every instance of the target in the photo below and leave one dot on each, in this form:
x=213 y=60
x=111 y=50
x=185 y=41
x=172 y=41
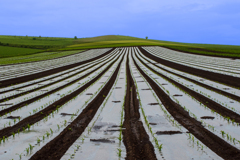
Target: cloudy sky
x=195 y=21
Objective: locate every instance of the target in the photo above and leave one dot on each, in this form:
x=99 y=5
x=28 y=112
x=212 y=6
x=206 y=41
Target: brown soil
x=153 y=103
x=177 y=95
x=24 y=103
x=216 y=144
x=135 y=138
x=201 y=98
x=116 y=101
x=207 y=117
x=67 y=114
x=102 y=140
x=26 y=78
x=6 y=104
x=56 y=148
x=225 y=79
x=12 y=117
x=168 y=132
x=46 y=111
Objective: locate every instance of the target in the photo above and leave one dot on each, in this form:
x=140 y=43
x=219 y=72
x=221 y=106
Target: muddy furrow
x=56 y=148
x=27 y=102
x=201 y=98
x=135 y=137
x=45 y=112
x=227 y=94
x=225 y=79
x=44 y=86
x=216 y=144
x=26 y=78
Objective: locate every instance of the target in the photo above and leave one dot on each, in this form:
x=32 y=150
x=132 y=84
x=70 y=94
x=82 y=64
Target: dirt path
x=216 y=144
x=135 y=138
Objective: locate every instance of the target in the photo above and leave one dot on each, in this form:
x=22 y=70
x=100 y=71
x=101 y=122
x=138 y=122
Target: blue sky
x=195 y=21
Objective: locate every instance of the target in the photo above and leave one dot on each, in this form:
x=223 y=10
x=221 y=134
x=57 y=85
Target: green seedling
x=51 y=130
x=70 y=129
x=119 y=152
x=47 y=133
x=27 y=150
x=38 y=140
x=13 y=134
x=31 y=147
x=20 y=155
x=28 y=127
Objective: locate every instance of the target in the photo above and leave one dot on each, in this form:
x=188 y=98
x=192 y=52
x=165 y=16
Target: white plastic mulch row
x=179 y=144
x=197 y=110
x=12 y=71
x=180 y=58
x=58 y=78
x=105 y=125
x=46 y=101
x=40 y=133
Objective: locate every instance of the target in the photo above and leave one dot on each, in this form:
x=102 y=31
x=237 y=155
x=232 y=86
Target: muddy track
x=29 y=91
x=48 y=110
x=225 y=79
x=27 y=102
x=26 y=78
x=201 y=98
x=216 y=144
x=56 y=148
x=135 y=137
x=227 y=94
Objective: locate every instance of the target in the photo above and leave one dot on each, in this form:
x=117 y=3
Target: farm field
x=146 y=102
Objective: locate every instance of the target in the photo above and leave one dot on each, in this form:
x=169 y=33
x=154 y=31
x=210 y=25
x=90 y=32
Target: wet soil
x=207 y=117
x=116 y=101
x=168 y=132
x=56 y=148
x=6 y=104
x=26 y=78
x=225 y=79
x=215 y=143
x=102 y=140
x=12 y=117
x=153 y=103
x=67 y=114
x=135 y=138
x=177 y=95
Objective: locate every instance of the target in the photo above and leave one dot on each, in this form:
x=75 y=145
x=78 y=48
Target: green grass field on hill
x=13 y=46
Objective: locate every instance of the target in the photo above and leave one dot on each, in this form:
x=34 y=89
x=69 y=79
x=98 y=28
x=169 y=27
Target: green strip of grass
x=36 y=57
x=54 y=44
x=14 y=51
